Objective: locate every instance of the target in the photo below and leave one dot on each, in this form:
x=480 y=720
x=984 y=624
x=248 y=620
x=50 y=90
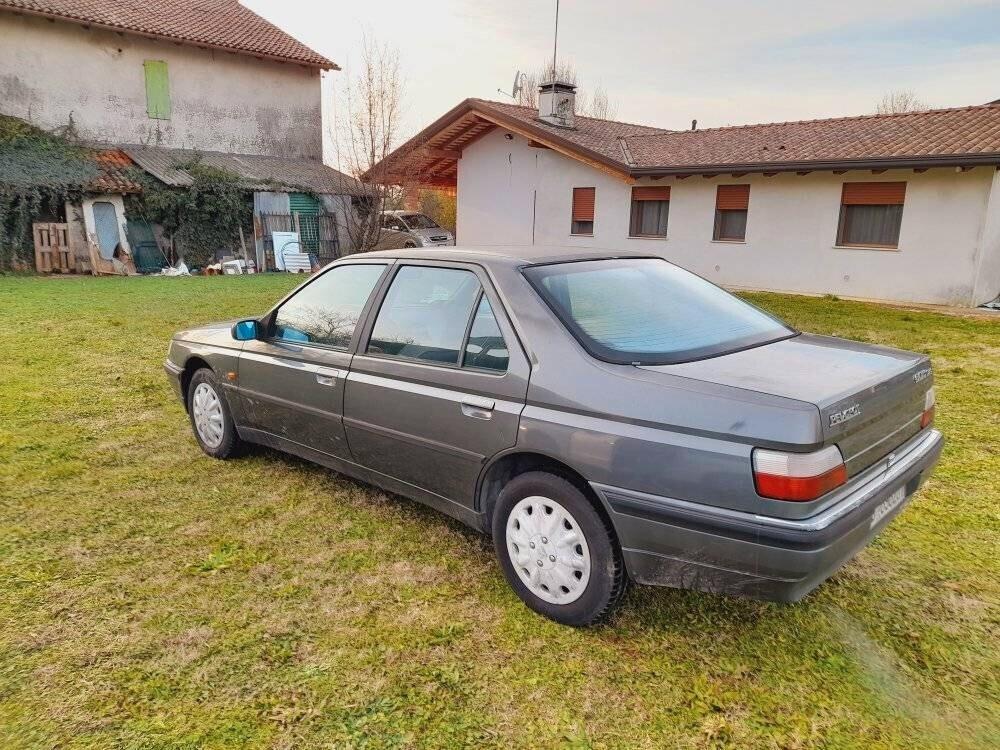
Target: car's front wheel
x=211 y=420
x=557 y=552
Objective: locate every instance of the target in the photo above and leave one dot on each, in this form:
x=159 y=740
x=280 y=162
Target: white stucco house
x=887 y=207
x=171 y=82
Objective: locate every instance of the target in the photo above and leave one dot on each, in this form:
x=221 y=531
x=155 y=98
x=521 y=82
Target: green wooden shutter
x=307 y=207
x=157 y=89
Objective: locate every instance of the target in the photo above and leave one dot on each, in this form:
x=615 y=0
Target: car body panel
x=428 y=424
x=667 y=449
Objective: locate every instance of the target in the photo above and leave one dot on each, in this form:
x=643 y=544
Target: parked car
x=605 y=417
x=406 y=229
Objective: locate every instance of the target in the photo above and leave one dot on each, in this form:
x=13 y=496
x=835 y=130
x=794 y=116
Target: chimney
x=557 y=103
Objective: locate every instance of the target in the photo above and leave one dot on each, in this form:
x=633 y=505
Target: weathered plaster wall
x=511 y=193
x=53 y=71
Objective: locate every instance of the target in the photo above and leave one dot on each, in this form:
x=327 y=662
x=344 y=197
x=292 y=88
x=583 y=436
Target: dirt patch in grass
x=152 y=597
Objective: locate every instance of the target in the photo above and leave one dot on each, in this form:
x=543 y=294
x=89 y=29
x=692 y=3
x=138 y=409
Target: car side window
x=425 y=314
x=326 y=310
x=485 y=349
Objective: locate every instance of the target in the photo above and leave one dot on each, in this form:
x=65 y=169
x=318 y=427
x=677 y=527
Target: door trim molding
x=421 y=442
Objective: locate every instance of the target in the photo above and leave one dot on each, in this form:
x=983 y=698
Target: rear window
x=648 y=311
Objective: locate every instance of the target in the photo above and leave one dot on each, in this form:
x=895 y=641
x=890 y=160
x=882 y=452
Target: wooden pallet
x=52 y=251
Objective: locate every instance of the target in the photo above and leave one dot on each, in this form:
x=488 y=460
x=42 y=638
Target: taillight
x=798 y=476
x=927 y=418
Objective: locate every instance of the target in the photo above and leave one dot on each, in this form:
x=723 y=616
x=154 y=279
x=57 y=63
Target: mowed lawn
x=151 y=597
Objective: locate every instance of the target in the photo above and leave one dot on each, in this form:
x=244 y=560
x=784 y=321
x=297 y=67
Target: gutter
x=950 y=160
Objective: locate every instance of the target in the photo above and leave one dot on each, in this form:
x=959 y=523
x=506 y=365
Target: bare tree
x=899 y=100
x=367 y=128
x=596 y=104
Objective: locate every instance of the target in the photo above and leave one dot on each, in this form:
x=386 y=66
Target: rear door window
x=326 y=310
x=485 y=348
x=425 y=314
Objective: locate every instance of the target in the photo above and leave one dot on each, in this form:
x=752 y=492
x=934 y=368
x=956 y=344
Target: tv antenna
x=517 y=87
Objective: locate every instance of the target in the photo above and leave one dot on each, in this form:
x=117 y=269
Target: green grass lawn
x=151 y=597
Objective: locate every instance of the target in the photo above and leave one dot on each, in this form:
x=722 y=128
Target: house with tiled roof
x=902 y=207
x=170 y=83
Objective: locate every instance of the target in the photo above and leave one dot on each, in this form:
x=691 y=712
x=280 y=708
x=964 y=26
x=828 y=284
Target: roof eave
x=896 y=162
x=316 y=65
x=475 y=106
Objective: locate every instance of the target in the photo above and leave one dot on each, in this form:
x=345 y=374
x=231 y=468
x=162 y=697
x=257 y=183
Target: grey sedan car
x=606 y=417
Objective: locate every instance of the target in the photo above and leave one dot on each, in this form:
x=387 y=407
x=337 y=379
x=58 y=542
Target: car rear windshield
x=648 y=311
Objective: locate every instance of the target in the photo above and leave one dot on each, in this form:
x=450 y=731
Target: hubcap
x=207 y=411
x=548 y=550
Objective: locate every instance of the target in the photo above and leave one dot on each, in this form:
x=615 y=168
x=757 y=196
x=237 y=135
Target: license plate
x=887 y=506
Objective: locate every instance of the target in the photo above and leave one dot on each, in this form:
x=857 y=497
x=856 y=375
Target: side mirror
x=245 y=330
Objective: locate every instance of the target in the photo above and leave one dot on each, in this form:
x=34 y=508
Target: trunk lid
x=870 y=398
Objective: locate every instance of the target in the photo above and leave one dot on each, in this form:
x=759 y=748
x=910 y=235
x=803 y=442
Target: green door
x=307 y=207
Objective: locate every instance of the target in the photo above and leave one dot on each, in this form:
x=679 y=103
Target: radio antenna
x=555 y=42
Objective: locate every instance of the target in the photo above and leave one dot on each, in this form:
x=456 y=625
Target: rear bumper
x=691 y=545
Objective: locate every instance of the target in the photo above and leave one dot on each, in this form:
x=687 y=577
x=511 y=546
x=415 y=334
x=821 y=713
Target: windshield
x=419 y=221
x=648 y=311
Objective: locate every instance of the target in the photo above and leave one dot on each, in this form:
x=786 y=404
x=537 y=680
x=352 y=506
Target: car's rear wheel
x=211 y=420
x=557 y=552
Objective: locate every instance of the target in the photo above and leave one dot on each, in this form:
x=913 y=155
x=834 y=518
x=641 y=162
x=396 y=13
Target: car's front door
x=291 y=383
x=438 y=383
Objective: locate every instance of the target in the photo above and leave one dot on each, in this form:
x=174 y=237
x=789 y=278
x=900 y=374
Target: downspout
x=987 y=232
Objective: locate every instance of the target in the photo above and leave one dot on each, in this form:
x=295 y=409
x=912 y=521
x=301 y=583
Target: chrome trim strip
x=820 y=521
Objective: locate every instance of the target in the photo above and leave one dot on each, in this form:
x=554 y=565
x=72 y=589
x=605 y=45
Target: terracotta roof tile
x=115 y=173
x=965 y=131
x=960 y=136
x=222 y=24
x=600 y=136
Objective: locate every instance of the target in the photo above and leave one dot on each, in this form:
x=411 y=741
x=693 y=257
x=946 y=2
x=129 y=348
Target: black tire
x=607 y=581
x=230 y=444
x=409 y=245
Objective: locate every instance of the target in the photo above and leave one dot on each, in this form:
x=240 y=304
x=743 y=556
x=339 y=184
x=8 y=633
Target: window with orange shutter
x=650 y=209
x=732 y=203
x=583 y=210
x=871 y=214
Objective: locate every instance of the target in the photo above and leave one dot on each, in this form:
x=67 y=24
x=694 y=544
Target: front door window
x=326 y=311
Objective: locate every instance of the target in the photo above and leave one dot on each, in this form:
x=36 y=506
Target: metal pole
x=555 y=43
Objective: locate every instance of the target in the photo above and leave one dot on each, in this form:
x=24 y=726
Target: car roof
x=507 y=255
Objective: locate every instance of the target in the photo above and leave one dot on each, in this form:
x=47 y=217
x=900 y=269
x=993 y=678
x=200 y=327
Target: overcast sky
x=665 y=62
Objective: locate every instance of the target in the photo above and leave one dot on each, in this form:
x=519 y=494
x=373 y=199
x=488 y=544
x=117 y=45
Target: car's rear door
x=291 y=383
x=439 y=380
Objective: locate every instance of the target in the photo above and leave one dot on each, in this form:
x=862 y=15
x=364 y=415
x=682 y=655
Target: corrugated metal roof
x=256 y=172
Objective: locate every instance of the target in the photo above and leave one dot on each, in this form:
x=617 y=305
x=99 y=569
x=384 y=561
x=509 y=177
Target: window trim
x=631 y=209
x=268 y=321
x=605 y=354
x=842 y=218
x=383 y=292
x=572 y=212
x=717 y=227
x=468 y=333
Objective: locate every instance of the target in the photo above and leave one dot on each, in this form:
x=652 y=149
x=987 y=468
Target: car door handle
x=326 y=377
x=478 y=407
